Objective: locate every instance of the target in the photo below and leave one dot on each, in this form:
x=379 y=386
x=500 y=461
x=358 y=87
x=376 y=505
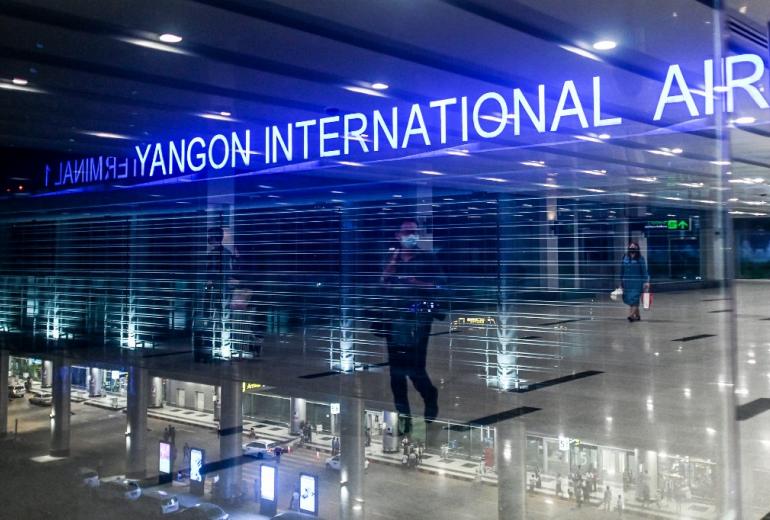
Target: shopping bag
x=647 y=301
x=617 y=293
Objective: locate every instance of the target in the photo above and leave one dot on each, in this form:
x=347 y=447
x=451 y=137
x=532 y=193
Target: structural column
x=136 y=429
x=352 y=459
x=60 y=416
x=95 y=382
x=391 y=441
x=298 y=415
x=5 y=361
x=231 y=437
x=156 y=394
x=46 y=374
x=510 y=454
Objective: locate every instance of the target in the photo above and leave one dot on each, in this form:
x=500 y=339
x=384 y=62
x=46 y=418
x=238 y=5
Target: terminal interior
x=246 y=327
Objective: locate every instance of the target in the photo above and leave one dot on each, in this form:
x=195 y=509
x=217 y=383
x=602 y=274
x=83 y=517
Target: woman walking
x=634 y=279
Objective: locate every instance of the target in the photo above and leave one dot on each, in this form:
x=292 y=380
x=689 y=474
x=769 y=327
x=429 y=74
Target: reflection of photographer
x=413 y=282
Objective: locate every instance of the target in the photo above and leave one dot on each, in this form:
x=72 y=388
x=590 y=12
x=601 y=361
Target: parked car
x=16 y=390
x=156 y=501
x=203 y=511
x=259 y=448
x=294 y=515
x=119 y=487
x=88 y=477
x=42 y=399
x=334 y=463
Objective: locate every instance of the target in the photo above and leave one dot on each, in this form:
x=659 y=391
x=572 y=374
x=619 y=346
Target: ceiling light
x=644 y=179
x=363 y=90
x=492 y=179
x=430 y=172
x=690 y=184
x=349 y=163
x=217 y=116
x=170 y=38
x=661 y=152
x=605 y=45
x=106 y=135
x=593 y=190
x=535 y=164
x=225 y=114
x=151 y=44
x=604 y=136
x=581 y=52
x=677 y=150
x=19 y=81
x=21 y=88
x=337 y=192
x=379 y=86
x=745 y=120
x=458 y=153
x=588 y=138
x=720 y=163
x=637 y=195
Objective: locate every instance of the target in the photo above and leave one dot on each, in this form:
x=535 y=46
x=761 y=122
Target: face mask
x=410 y=241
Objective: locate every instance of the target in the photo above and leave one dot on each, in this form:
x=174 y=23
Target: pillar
x=352 y=459
x=137 y=399
x=156 y=393
x=95 y=382
x=217 y=402
x=60 y=415
x=5 y=361
x=230 y=438
x=391 y=442
x=510 y=452
x=297 y=414
x=46 y=374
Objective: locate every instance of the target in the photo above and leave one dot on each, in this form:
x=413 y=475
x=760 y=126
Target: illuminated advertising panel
x=308 y=497
x=164 y=459
x=267 y=482
x=197 y=473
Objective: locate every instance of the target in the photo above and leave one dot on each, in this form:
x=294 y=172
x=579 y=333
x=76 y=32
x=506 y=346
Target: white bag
x=617 y=293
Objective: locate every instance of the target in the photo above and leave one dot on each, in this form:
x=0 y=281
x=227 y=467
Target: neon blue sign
x=405 y=128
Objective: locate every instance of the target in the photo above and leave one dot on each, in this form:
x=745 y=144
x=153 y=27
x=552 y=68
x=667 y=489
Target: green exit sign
x=674 y=224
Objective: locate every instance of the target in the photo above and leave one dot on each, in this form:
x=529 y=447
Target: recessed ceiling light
x=492 y=179
x=605 y=45
x=349 y=163
x=224 y=113
x=217 y=116
x=19 y=81
x=676 y=150
x=581 y=52
x=379 y=86
x=363 y=90
x=169 y=38
x=720 y=163
x=430 y=172
x=745 y=120
x=106 y=135
x=604 y=136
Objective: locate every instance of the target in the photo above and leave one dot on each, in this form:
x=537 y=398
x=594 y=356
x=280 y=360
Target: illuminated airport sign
x=398 y=128
x=676 y=224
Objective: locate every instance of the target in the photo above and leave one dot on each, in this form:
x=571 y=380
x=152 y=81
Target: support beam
x=60 y=415
x=510 y=451
x=230 y=438
x=136 y=428
x=5 y=361
x=352 y=459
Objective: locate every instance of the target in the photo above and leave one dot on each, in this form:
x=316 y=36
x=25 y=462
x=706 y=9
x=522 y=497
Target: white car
x=334 y=463
x=16 y=390
x=120 y=487
x=156 y=500
x=89 y=477
x=259 y=448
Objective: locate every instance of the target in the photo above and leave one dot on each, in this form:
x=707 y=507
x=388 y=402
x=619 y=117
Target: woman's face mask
x=410 y=241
